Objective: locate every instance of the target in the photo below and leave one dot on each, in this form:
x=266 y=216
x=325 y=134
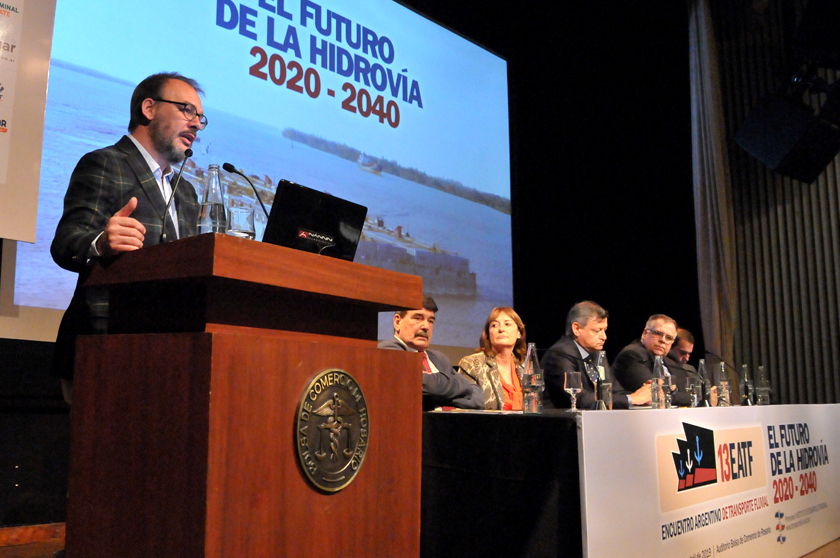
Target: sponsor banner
x=11 y=23
x=710 y=482
x=25 y=40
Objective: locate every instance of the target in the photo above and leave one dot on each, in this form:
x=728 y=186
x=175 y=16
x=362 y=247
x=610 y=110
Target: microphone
x=187 y=154
x=230 y=168
x=737 y=373
x=708 y=352
x=676 y=366
x=671 y=364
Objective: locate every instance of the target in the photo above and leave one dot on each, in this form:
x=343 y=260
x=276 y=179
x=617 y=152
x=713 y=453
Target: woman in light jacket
x=498 y=365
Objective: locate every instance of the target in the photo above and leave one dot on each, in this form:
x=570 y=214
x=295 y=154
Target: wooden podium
x=183 y=421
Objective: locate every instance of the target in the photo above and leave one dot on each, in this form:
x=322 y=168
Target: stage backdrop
x=365 y=100
x=723 y=482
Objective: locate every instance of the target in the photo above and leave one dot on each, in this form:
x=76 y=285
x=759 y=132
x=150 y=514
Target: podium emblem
x=332 y=430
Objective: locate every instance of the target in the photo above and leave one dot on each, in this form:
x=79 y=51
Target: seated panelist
x=634 y=364
x=498 y=365
x=576 y=351
x=681 y=351
x=442 y=387
x=683 y=346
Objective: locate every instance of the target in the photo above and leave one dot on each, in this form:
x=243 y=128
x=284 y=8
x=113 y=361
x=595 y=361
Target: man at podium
x=442 y=387
x=117 y=198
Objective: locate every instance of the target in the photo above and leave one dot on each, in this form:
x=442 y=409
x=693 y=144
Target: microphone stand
x=187 y=154
x=230 y=168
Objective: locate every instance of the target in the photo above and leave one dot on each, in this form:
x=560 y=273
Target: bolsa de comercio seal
x=332 y=430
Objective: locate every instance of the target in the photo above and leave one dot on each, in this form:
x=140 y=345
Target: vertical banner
x=11 y=21
x=25 y=40
x=706 y=483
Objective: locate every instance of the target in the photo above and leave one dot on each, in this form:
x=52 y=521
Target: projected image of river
x=441 y=221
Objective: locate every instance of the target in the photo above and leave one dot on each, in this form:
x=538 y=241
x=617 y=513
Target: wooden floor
x=42 y=541
x=34 y=550
x=32 y=541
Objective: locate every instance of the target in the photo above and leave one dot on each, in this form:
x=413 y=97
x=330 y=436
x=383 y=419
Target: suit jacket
x=102 y=183
x=675 y=356
x=444 y=388
x=563 y=357
x=484 y=371
x=634 y=366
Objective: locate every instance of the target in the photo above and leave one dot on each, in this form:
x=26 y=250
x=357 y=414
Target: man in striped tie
x=576 y=351
x=117 y=198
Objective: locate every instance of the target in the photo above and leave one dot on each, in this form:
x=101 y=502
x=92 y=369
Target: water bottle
x=657 y=400
x=746 y=386
x=212 y=215
x=532 y=382
x=705 y=385
x=723 y=387
x=601 y=367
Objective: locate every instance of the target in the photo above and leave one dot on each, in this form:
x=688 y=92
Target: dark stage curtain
x=787 y=233
x=713 y=206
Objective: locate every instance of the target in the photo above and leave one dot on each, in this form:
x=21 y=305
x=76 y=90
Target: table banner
x=702 y=483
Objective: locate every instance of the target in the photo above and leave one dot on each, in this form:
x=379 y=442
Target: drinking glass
x=572 y=386
x=707 y=394
x=692 y=386
x=241 y=222
x=606 y=396
x=762 y=387
x=723 y=393
x=666 y=382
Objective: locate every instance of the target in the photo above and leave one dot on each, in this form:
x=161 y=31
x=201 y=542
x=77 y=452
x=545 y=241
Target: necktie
x=427 y=368
x=166 y=190
x=591 y=371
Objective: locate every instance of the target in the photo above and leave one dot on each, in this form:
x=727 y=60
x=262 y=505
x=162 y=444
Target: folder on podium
x=196 y=427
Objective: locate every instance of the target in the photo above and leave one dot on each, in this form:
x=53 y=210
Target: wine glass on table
x=572 y=386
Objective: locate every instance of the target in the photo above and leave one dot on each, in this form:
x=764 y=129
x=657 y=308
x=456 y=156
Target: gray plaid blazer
x=102 y=183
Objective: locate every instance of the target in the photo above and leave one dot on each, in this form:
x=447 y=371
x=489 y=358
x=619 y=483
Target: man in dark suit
x=634 y=364
x=586 y=333
x=117 y=197
x=442 y=387
x=683 y=346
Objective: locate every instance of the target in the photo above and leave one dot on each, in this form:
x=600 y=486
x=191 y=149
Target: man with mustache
x=117 y=197
x=441 y=386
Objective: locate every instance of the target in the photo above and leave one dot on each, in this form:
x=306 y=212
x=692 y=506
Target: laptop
x=313 y=221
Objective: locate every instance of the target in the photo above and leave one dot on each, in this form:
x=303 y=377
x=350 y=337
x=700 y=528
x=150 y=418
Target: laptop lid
x=313 y=221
